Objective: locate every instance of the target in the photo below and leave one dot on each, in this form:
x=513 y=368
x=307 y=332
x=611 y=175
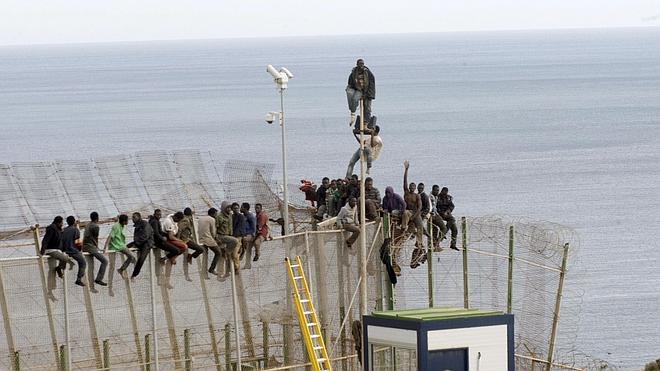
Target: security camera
x=273 y=72
x=286 y=72
x=270 y=117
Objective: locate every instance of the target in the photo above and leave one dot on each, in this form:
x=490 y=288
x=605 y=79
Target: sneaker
x=256 y=257
x=352 y=119
x=100 y=283
x=80 y=283
x=454 y=248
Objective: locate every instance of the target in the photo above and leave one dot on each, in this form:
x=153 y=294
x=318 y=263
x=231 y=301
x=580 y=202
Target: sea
x=560 y=126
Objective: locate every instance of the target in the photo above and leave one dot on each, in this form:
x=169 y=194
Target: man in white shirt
x=347 y=218
x=372 y=146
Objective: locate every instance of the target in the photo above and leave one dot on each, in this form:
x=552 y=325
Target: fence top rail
x=515 y=259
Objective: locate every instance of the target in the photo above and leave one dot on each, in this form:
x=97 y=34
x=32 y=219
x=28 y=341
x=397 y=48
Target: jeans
x=216 y=256
x=355 y=233
x=356 y=158
x=353 y=96
x=130 y=258
x=93 y=251
x=143 y=253
x=230 y=252
x=59 y=258
x=171 y=250
x=82 y=264
x=194 y=246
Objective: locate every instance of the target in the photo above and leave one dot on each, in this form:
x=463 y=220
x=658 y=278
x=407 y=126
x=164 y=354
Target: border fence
x=507 y=264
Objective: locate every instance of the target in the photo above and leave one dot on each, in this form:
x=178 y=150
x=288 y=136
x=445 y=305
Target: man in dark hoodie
x=51 y=245
x=160 y=238
x=395 y=205
x=361 y=85
x=70 y=235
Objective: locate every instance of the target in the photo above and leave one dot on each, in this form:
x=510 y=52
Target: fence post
x=152 y=291
x=133 y=316
x=429 y=263
x=106 y=354
x=147 y=352
x=228 y=347
x=555 y=318
x=234 y=300
x=17 y=361
x=186 y=350
x=466 y=286
x=509 y=296
x=64 y=362
x=203 y=274
x=265 y=342
x=67 y=336
x=89 y=309
x=46 y=292
x=5 y=315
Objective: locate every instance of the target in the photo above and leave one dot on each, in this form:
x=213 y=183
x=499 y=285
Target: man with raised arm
x=414 y=207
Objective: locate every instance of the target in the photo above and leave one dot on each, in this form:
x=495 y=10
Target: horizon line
x=332 y=35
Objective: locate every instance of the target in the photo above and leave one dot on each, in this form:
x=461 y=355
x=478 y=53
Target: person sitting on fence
x=117 y=242
x=207 y=234
x=348 y=221
x=445 y=206
x=395 y=205
x=160 y=238
x=263 y=231
x=322 y=199
x=249 y=232
x=224 y=225
x=309 y=189
x=51 y=245
x=171 y=228
x=70 y=235
x=436 y=220
x=143 y=241
x=186 y=234
x=372 y=200
x=332 y=198
x=91 y=246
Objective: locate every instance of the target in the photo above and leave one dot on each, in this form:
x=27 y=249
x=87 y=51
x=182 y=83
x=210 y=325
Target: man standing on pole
x=361 y=85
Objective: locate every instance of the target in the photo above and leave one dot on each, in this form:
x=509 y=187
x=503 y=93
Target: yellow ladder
x=309 y=322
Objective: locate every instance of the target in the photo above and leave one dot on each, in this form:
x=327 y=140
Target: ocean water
x=561 y=126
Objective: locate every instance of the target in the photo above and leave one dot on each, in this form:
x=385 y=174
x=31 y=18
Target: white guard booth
x=438 y=339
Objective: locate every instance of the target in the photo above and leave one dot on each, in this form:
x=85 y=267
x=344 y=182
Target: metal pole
x=509 y=297
x=466 y=286
x=234 y=301
x=152 y=274
x=555 y=319
x=429 y=262
x=285 y=210
x=46 y=291
x=265 y=342
x=186 y=350
x=106 y=354
x=387 y=232
x=147 y=352
x=66 y=322
x=363 y=222
x=5 y=315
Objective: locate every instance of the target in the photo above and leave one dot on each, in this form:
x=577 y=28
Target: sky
x=73 y=21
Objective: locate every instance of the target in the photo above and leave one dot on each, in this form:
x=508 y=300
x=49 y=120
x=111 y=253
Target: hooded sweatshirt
x=224 y=220
x=393 y=201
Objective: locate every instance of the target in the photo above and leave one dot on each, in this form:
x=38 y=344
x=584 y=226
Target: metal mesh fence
x=187 y=301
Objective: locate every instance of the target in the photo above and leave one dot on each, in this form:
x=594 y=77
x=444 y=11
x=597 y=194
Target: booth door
x=448 y=360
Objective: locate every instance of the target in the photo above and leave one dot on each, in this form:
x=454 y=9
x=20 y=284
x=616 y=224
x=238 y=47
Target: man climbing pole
x=361 y=85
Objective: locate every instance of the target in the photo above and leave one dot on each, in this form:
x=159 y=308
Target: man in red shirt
x=262 y=230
